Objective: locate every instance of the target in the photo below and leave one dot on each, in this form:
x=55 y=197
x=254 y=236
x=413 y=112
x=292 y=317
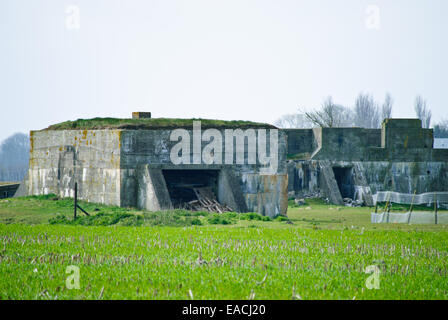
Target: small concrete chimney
x=141 y=115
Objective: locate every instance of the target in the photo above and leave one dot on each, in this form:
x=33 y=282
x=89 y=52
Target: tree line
x=14 y=157
x=366 y=113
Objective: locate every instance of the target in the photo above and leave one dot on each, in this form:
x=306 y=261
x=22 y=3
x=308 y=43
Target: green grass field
x=320 y=253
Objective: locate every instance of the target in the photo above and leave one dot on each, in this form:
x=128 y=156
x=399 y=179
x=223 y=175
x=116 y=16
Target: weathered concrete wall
x=347 y=143
x=266 y=194
x=401 y=140
x=399 y=157
x=328 y=183
x=123 y=167
x=301 y=142
x=91 y=158
x=152 y=193
x=404 y=177
x=327 y=143
x=303 y=177
x=405 y=134
x=229 y=191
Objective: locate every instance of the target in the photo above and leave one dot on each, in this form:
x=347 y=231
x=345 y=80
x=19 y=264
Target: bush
x=219 y=219
x=174 y=218
x=196 y=222
x=281 y=218
x=254 y=216
x=59 y=219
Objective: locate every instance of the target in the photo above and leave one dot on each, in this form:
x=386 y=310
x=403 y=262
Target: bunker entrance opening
x=344 y=179
x=181 y=184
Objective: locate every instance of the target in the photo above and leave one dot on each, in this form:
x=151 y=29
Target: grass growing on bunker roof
x=153 y=123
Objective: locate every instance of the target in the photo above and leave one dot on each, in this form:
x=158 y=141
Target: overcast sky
x=227 y=59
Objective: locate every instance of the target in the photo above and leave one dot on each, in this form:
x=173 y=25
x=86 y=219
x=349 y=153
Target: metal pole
x=76 y=200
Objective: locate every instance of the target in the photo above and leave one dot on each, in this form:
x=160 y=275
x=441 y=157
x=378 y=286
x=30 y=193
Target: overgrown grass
x=220 y=262
x=51 y=209
x=122 y=253
x=100 y=219
x=40 y=209
x=174 y=218
x=315 y=214
x=153 y=123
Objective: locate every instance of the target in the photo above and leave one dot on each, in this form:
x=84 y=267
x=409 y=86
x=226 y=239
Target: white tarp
x=406 y=198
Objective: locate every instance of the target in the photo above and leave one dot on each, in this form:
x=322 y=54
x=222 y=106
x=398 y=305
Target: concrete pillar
x=152 y=193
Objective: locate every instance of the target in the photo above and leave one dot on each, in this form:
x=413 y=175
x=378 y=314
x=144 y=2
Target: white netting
x=442 y=218
x=377 y=217
x=406 y=198
x=410 y=217
x=398 y=217
x=423 y=218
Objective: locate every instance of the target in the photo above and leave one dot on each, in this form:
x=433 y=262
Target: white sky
x=226 y=59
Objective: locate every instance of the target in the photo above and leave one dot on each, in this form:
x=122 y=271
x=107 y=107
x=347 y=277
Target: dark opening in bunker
x=344 y=178
x=181 y=184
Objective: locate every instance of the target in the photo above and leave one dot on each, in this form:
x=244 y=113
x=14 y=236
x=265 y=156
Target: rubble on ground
x=348 y=202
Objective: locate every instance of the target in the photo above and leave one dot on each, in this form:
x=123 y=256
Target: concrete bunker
x=129 y=163
x=357 y=163
x=345 y=181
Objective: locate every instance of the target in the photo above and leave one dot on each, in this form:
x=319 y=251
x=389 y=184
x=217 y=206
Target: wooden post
x=387 y=202
x=412 y=207
x=412 y=202
x=386 y=212
x=435 y=207
x=76 y=200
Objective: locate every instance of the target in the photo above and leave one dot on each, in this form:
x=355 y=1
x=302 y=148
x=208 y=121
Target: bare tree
x=330 y=115
x=367 y=113
x=386 y=109
x=422 y=111
x=293 y=121
x=441 y=129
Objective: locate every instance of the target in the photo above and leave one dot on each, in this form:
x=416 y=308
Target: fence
x=410 y=217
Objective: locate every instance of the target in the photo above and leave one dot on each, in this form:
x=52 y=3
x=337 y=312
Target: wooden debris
x=206 y=201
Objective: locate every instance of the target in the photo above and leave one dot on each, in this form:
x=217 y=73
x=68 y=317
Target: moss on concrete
x=299 y=156
x=153 y=123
